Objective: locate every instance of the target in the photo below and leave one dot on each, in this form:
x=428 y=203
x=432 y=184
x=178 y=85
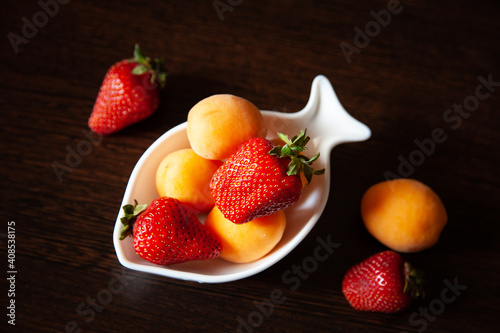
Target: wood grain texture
x=429 y=57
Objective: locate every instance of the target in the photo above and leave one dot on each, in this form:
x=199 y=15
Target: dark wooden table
x=404 y=68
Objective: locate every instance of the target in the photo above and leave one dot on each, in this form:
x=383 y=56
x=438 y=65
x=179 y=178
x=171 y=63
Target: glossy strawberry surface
x=252 y=183
x=168 y=233
x=377 y=284
x=124 y=99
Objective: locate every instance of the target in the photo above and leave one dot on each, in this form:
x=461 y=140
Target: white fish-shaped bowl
x=328 y=124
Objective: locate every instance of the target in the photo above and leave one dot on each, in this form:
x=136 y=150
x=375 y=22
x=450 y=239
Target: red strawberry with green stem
x=129 y=93
x=382 y=283
x=167 y=233
x=260 y=179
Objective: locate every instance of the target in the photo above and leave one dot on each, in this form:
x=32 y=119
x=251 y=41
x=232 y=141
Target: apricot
x=403 y=214
x=185 y=175
x=243 y=243
x=219 y=124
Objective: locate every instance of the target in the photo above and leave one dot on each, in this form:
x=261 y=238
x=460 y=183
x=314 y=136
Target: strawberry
x=260 y=179
x=382 y=283
x=129 y=93
x=167 y=233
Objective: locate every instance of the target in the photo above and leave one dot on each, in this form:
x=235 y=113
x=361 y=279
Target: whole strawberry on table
x=129 y=93
x=382 y=283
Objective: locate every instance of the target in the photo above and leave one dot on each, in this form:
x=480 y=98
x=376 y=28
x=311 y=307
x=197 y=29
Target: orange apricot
x=219 y=124
x=403 y=214
x=242 y=243
x=185 y=175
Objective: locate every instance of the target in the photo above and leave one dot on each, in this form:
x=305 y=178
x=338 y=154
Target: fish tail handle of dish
x=330 y=120
x=325 y=118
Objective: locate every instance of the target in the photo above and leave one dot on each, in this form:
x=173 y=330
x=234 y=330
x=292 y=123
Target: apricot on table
x=243 y=243
x=403 y=214
x=185 y=175
x=219 y=124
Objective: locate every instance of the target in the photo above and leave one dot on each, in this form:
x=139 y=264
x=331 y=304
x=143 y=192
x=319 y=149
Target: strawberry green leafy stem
x=414 y=282
x=298 y=162
x=131 y=213
x=156 y=66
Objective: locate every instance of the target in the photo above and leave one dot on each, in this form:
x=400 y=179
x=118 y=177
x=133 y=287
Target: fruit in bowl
x=261 y=178
x=247 y=242
x=218 y=124
x=186 y=176
x=328 y=124
x=167 y=233
x=252 y=187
